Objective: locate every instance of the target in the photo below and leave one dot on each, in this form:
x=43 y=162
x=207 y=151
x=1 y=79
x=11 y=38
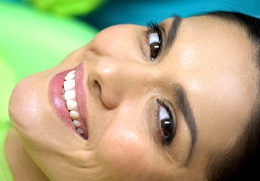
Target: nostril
x=98 y=91
x=97 y=88
x=104 y=94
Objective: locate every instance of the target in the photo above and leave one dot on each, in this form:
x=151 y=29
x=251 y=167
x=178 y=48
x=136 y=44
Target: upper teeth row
x=69 y=95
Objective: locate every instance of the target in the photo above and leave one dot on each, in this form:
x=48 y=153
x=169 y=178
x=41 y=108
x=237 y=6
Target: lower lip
x=56 y=99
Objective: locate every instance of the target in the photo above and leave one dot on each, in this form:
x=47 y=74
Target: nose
x=115 y=80
x=116 y=70
x=120 y=70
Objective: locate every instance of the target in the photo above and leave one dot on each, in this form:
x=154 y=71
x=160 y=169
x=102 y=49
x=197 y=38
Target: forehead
x=212 y=59
x=213 y=52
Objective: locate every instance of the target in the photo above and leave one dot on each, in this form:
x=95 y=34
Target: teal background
x=141 y=11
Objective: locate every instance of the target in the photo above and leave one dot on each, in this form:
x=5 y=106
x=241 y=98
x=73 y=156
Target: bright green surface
x=67 y=7
x=33 y=41
x=7 y=82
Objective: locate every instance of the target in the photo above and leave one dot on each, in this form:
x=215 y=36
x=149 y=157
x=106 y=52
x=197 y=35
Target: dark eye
x=154 y=39
x=155 y=45
x=166 y=122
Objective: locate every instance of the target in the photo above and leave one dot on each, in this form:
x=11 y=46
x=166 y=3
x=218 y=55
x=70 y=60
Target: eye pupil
x=155 y=48
x=167 y=127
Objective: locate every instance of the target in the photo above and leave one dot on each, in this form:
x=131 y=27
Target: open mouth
x=67 y=93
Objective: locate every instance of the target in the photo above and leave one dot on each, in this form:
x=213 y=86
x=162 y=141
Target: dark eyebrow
x=178 y=90
x=186 y=110
x=176 y=22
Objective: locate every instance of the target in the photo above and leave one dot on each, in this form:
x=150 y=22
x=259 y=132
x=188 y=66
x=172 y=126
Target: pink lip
x=55 y=88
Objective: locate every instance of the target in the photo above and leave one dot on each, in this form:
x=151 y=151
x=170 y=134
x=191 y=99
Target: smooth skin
x=210 y=59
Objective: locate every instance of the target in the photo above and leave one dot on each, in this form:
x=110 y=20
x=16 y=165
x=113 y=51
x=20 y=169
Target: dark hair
x=241 y=161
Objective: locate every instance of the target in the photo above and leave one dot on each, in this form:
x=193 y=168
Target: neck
x=21 y=164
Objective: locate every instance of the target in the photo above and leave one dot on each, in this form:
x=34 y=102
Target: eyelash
x=153 y=27
x=166 y=139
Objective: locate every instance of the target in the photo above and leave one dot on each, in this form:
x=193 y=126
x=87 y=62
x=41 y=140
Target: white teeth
x=80 y=131
x=69 y=84
x=70 y=76
x=74 y=114
x=71 y=105
x=76 y=123
x=70 y=95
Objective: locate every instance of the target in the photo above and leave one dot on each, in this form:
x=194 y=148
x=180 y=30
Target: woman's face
x=150 y=105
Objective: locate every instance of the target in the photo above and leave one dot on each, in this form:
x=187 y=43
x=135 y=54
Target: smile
x=68 y=98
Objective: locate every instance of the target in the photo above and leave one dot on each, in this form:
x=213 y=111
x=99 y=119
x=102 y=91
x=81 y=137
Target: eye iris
x=155 y=45
x=166 y=127
x=155 y=48
x=167 y=123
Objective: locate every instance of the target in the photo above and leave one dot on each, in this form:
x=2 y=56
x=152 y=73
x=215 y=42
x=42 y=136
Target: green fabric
x=5 y=173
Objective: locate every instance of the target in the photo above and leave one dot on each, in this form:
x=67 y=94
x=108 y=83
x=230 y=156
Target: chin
x=30 y=110
x=43 y=134
x=26 y=106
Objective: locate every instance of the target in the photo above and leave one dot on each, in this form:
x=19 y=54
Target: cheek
x=121 y=149
x=125 y=151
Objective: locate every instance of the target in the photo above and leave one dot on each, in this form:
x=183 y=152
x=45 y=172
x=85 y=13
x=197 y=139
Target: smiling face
x=151 y=106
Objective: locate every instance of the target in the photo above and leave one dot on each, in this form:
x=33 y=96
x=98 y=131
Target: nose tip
x=107 y=80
